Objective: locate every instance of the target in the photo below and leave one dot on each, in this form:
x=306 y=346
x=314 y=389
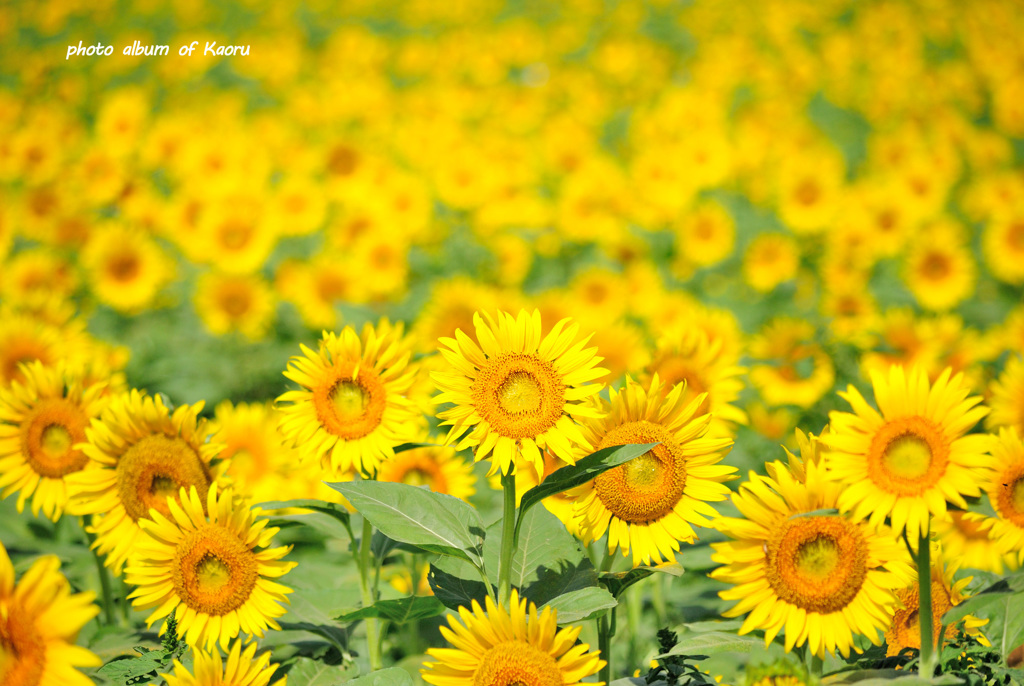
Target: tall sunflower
x=517 y=391
x=822 y=578
x=512 y=646
x=440 y=469
x=41 y=421
x=908 y=458
x=209 y=564
x=649 y=504
x=140 y=454
x=39 y=621
x=352 y=410
x=1005 y=488
x=243 y=668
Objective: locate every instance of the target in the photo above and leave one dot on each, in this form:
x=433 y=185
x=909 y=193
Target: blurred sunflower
x=41 y=422
x=939 y=269
x=125 y=268
x=517 y=391
x=1005 y=488
x=791 y=368
x=352 y=410
x=140 y=454
x=822 y=578
x=650 y=503
x=967 y=543
x=39 y=622
x=243 y=668
x=440 y=469
x=1003 y=247
x=906 y=459
x=210 y=565
x=1007 y=397
x=235 y=302
x=770 y=259
x=905 y=629
x=512 y=646
x=706 y=235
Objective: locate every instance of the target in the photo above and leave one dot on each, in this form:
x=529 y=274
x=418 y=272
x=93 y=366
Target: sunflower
x=822 y=578
x=561 y=505
x=791 y=368
x=235 y=302
x=1007 y=397
x=352 y=410
x=140 y=455
x=242 y=669
x=209 y=564
x=24 y=339
x=41 y=421
x=966 y=542
x=688 y=355
x=907 y=460
x=770 y=259
x=1005 y=488
x=517 y=391
x=650 y=503
x=905 y=630
x=39 y=621
x=706 y=235
x=939 y=269
x=126 y=268
x=511 y=646
x=1003 y=246
x=440 y=469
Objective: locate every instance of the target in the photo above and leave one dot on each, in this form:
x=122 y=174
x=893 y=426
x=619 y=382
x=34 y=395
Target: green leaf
x=399 y=611
x=714 y=642
x=888 y=677
x=584 y=470
x=309 y=672
x=455 y=584
x=391 y=676
x=332 y=509
x=617 y=582
x=977 y=601
x=586 y=603
x=413 y=446
x=119 y=671
x=433 y=522
x=826 y=512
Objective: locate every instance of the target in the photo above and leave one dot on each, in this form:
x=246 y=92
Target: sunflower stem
x=817 y=667
x=372 y=624
x=508 y=542
x=604 y=644
x=924 y=590
x=104 y=575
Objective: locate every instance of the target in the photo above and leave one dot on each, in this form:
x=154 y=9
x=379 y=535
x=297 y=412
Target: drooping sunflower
x=1005 y=488
x=441 y=469
x=243 y=668
x=352 y=410
x=518 y=391
x=908 y=458
x=649 y=504
x=41 y=421
x=822 y=578
x=905 y=630
x=510 y=646
x=39 y=621
x=208 y=562
x=140 y=454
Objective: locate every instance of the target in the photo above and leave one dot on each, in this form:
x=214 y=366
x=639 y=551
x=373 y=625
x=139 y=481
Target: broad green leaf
x=987 y=596
x=391 y=676
x=584 y=470
x=434 y=522
x=326 y=524
x=586 y=603
x=714 y=642
x=455 y=583
x=331 y=509
x=320 y=606
x=120 y=671
x=714 y=625
x=309 y=672
x=413 y=446
x=399 y=611
x=889 y=677
x=617 y=582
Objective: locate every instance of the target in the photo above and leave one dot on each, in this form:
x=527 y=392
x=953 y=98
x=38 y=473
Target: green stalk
x=508 y=542
x=373 y=635
x=924 y=587
x=104 y=575
x=604 y=644
x=817 y=667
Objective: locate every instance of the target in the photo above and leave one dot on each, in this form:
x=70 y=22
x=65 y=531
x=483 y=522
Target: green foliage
x=400 y=611
x=150 y=662
x=674 y=668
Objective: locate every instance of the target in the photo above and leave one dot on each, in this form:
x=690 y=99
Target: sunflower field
x=512 y=343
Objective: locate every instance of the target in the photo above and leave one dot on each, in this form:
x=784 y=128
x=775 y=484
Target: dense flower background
x=788 y=238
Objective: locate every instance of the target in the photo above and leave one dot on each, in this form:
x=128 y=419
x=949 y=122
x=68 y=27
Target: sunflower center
x=156 y=467
x=1015 y=236
x=517 y=663
x=519 y=394
x=48 y=435
x=908 y=455
x=214 y=572
x=905 y=630
x=817 y=563
x=351 y=407
x=1009 y=501
x=649 y=487
x=22 y=649
x=936 y=266
x=124 y=267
